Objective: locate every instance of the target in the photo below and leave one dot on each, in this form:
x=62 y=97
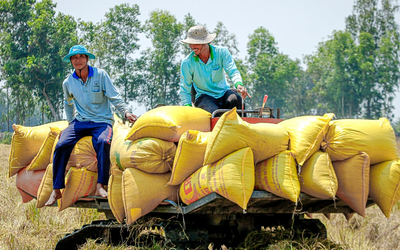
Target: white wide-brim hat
x=198 y=35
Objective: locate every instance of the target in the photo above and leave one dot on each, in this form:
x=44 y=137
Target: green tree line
x=354 y=74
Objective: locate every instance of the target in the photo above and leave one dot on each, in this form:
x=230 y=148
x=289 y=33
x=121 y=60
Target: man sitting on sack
x=88 y=95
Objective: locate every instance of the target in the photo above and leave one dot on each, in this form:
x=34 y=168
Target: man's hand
x=131 y=117
x=243 y=91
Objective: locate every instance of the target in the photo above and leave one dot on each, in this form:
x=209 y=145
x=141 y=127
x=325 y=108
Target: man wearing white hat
x=88 y=95
x=203 y=71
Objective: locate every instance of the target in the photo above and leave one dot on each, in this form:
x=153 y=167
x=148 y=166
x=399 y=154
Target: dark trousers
x=229 y=100
x=101 y=138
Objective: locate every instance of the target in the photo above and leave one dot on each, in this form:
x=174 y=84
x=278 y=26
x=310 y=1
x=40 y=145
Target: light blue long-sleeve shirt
x=90 y=100
x=208 y=78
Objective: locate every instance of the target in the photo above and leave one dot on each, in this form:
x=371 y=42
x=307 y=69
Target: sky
x=297 y=26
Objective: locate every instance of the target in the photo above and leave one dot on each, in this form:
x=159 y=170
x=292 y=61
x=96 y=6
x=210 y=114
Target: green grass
x=6 y=139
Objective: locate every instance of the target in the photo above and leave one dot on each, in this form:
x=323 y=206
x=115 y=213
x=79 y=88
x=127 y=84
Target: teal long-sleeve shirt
x=90 y=100
x=208 y=78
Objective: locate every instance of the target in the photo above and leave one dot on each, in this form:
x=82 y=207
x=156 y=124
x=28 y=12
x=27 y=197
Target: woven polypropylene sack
x=232 y=177
x=117 y=123
x=120 y=130
x=349 y=137
x=54 y=147
x=83 y=155
x=45 y=187
x=115 y=194
x=26 y=143
x=278 y=175
x=42 y=159
x=353 y=181
x=306 y=134
x=231 y=133
x=150 y=155
x=79 y=183
x=317 y=176
x=142 y=192
x=28 y=183
x=384 y=186
x=169 y=123
x=189 y=155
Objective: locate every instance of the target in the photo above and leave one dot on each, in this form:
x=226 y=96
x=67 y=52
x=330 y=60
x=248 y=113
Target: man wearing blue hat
x=88 y=95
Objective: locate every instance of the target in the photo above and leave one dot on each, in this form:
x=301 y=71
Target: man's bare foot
x=54 y=196
x=101 y=191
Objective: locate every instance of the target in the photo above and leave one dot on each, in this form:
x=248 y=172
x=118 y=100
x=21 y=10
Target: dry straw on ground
x=23 y=226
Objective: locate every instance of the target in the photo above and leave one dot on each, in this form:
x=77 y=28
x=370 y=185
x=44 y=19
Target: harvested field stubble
x=375 y=231
x=23 y=226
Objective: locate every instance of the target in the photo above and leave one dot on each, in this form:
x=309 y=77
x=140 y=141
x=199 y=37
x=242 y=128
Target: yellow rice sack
x=115 y=194
x=232 y=177
x=318 y=178
x=306 y=134
x=348 y=137
x=28 y=183
x=117 y=123
x=231 y=133
x=26 y=142
x=79 y=183
x=54 y=147
x=45 y=187
x=189 y=155
x=278 y=175
x=169 y=123
x=150 y=155
x=142 y=192
x=120 y=130
x=42 y=159
x=353 y=181
x=83 y=155
x=384 y=186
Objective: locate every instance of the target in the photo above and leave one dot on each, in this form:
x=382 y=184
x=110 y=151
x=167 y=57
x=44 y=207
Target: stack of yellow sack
x=365 y=156
x=31 y=157
x=351 y=159
x=234 y=159
x=171 y=151
x=142 y=157
x=315 y=171
x=31 y=149
x=223 y=161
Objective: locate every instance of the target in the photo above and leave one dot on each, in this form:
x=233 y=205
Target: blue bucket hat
x=77 y=50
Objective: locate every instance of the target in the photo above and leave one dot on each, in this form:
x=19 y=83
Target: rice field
x=23 y=226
